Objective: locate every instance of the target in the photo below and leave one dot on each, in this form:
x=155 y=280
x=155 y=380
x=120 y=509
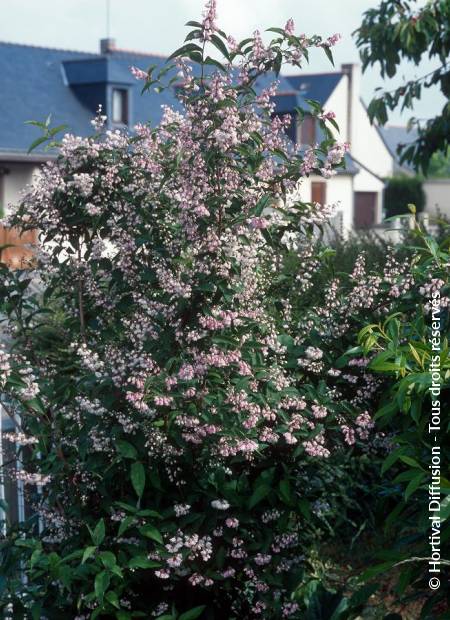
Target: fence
x=14 y=247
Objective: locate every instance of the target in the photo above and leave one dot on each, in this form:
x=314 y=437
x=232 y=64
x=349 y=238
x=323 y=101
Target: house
x=437 y=191
x=36 y=82
x=68 y=85
x=360 y=191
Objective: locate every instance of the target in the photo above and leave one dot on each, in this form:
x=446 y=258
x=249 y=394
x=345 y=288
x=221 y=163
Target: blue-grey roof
x=37 y=81
x=317 y=86
x=31 y=87
x=69 y=85
x=287 y=101
x=350 y=166
x=394 y=135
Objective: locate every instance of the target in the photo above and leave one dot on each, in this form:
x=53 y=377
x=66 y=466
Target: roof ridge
x=116 y=50
x=286 y=92
x=395 y=126
x=119 y=50
x=306 y=74
x=45 y=47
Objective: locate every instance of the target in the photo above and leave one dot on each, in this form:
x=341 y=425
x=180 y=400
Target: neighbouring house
x=360 y=187
x=36 y=82
x=437 y=196
x=437 y=191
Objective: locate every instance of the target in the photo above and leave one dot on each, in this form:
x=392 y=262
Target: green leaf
x=37 y=405
x=387 y=410
x=36 y=611
x=411 y=462
x=108 y=559
x=54 y=130
x=378 y=569
x=138 y=478
x=125 y=524
x=220 y=45
x=101 y=584
x=445 y=508
x=113 y=599
x=391 y=459
x=285 y=491
x=141 y=561
x=361 y=596
x=384 y=366
x=259 y=494
x=329 y=54
x=277 y=31
x=185 y=50
x=88 y=552
x=98 y=535
x=37 y=142
x=193 y=613
x=414 y=484
x=150 y=531
x=126 y=449
x=305 y=509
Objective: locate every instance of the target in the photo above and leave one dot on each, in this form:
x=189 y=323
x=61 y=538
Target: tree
x=440 y=165
x=399 y=30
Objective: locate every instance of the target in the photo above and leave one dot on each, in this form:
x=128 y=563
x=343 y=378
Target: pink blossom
x=209 y=19
x=290 y=27
x=139 y=74
x=259 y=223
x=290 y=439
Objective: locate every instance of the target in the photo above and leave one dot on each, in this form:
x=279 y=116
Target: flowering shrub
x=177 y=437
x=400 y=372
x=410 y=347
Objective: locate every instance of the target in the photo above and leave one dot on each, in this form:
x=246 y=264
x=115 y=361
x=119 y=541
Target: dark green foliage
x=398 y=31
x=402 y=191
x=440 y=166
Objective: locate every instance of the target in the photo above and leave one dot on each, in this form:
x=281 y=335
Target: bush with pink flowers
x=185 y=425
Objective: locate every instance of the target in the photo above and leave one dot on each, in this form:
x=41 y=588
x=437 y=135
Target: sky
x=158 y=26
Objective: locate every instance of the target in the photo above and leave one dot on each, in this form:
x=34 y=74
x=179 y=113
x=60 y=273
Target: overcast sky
x=158 y=26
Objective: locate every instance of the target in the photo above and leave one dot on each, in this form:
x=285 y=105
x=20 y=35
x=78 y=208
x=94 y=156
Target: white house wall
x=14 y=182
x=366 y=182
x=339 y=191
x=437 y=194
x=337 y=103
x=368 y=146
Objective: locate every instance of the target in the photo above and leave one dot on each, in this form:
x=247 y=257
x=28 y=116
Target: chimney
x=107 y=46
x=353 y=72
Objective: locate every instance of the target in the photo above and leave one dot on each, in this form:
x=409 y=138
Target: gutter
x=23 y=157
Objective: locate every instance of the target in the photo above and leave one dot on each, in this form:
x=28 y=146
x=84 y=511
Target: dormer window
x=308 y=130
x=119 y=114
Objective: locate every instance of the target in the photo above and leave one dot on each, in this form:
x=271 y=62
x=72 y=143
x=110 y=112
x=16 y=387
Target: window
x=308 y=130
x=11 y=490
x=17 y=500
x=290 y=129
x=318 y=192
x=120 y=106
x=3 y=205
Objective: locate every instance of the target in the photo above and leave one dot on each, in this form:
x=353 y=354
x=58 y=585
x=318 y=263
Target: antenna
x=108 y=19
